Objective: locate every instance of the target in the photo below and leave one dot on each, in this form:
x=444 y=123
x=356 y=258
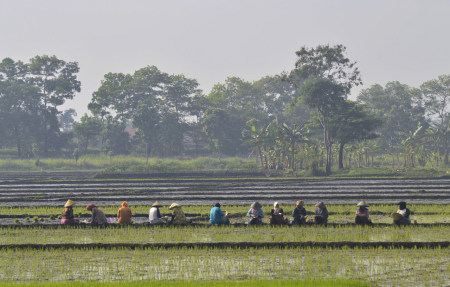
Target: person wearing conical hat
x=67 y=214
x=255 y=213
x=362 y=214
x=178 y=216
x=321 y=213
x=124 y=214
x=299 y=213
x=154 y=216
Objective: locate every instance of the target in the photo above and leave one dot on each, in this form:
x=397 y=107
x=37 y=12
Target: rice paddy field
x=38 y=251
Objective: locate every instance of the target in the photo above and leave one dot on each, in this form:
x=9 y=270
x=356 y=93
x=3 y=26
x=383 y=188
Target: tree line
x=295 y=120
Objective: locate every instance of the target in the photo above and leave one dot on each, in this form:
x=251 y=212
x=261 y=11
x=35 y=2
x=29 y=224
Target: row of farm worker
x=217 y=216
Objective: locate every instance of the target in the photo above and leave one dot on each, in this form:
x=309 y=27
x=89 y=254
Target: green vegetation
x=213 y=234
x=253 y=283
x=300 y=123
x=381 y=266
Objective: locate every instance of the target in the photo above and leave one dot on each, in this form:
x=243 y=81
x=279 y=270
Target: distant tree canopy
x=295 y=120
x=30 y=94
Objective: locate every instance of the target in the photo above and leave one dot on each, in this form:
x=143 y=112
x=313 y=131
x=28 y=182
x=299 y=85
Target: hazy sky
x=210 y=40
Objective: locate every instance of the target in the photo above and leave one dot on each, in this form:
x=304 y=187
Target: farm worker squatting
x=124 y=214
x=321 y=213
x=362 y=214
x=277 y=214
x=401 y=217
x=299 y=213
x=154 y=216
x=178 y=216
x=98 y=217
x=255 y=213
x=217 y=216
x=67 y=215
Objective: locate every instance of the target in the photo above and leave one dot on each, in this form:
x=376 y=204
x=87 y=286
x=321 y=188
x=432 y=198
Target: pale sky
x=210 y=40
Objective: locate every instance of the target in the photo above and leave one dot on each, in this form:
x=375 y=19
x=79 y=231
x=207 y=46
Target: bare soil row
x=227 y=190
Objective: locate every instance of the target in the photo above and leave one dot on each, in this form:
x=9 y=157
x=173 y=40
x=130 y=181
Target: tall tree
x=147 y=120
x=437 y=104
x=324 y=76
x=57 y=82
x=400 y=107
x=87 y=131
x=19 y=107
x=352 y=122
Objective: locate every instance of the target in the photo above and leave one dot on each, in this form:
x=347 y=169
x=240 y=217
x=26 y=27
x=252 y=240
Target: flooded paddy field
x=229 y=190
x=386 y=255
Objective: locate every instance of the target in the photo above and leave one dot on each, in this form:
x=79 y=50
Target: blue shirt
x=216 y=216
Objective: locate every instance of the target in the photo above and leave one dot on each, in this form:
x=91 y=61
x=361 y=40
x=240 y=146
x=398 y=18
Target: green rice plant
x=253 y=283
x=383 y=267
x=213 y=234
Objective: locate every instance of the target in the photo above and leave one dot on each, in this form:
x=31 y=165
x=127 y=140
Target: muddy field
x=186 y=189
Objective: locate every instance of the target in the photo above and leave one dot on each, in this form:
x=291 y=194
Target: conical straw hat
x=69 y=203
x=156 y=204
x=173 y=205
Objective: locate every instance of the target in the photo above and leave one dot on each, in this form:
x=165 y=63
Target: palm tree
x=292 y=137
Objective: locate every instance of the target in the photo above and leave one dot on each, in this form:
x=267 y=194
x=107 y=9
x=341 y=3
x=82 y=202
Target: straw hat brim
x=69 y=203
x=362 y=205
x=173 y=205
x=156 y=204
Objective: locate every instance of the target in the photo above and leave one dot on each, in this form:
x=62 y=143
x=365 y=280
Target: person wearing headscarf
x=299 y=213
x=178 y=216
x=67 y=214
x=321 y=213
x=98 y=217
x=362 y=214
x=154 y=216
x=277 y=214
x=217 y=216
x=401 y=217
x=124 y=214
x=255 y=213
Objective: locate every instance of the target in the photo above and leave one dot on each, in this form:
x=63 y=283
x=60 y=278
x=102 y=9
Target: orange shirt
x=124 y=215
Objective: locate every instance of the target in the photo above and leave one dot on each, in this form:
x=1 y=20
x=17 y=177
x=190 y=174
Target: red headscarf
x=124 y=204
x=90 y=206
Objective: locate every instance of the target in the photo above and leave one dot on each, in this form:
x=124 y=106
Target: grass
x=254 y=283
x=120 y=164
x=187 y=234
x=384 y=267
x=134 y=164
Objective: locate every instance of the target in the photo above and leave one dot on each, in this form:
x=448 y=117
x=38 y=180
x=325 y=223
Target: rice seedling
x=255 y=283
x=203 y=234
x=384 y=267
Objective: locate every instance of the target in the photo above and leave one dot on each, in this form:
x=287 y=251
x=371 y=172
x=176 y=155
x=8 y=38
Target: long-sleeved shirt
x=178 y=216
x=217 y=216
x=362 y=212
x=255 y=213
x=321 y=212
x=124 y=215
x=299 y=212
x=154 y=216
x=98 y=217
x=67 y=213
